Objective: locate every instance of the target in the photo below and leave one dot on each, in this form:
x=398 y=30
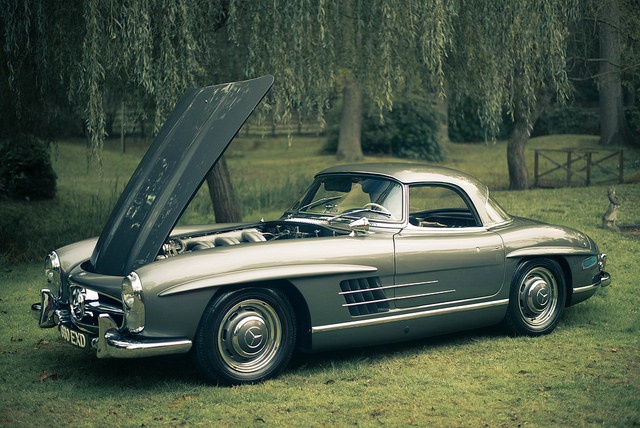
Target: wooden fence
x=251 y=129
x=581 y=167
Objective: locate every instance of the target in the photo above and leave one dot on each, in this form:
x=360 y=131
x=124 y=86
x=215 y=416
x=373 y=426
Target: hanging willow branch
x=149 y=52
x=93 y=77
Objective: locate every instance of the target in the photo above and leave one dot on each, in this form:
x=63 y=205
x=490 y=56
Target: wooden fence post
x=569 y=168
x=535 y=170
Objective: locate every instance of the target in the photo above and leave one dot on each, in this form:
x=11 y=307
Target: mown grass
x=586 y=373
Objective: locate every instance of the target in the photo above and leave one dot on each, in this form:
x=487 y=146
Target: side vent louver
x=364 y=296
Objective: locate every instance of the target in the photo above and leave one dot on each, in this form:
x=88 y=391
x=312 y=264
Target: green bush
x=25 y=170
x=465 y=125
x=409 y=131
x=567 y=120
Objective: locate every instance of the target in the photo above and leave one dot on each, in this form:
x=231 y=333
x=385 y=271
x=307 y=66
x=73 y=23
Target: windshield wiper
x=359 y=211
x=319 y=202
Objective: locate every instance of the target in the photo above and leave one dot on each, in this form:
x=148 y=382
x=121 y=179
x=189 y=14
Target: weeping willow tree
x=506 y=54
x=95 y=53
x=360 y=48
x=145 y=52
x=37 y=43
x=510 y=56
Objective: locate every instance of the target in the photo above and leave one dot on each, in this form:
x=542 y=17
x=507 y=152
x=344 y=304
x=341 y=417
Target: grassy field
x=587 y=373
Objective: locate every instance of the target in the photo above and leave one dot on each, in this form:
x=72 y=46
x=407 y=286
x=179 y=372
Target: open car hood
x=200 y=128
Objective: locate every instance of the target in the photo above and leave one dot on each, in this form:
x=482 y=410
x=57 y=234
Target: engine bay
x=250 y=233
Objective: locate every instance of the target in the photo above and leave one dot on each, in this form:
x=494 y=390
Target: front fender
x=526 y=238
x=266 y=274
x=178 y=289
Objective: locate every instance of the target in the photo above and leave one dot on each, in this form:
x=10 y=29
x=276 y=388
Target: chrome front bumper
x=605 y=279
x=580 y=294
x=110 y=342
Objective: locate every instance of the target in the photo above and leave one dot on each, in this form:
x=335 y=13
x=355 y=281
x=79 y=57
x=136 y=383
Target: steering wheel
x=372 y=205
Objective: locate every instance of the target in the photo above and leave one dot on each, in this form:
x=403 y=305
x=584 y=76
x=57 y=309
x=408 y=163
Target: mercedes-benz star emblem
x=253 y=337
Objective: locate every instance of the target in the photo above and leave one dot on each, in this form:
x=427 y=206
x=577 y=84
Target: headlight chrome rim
x=133 y=303
x=53 y=273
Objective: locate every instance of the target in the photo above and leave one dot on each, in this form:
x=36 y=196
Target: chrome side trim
x=390 y=299
x=413 y=284
x=408 y=316
x=346 y=293
x=414 y=296
x=548 y=251
x=389 y=287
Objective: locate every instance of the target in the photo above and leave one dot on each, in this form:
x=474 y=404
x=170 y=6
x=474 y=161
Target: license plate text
x=73 y=337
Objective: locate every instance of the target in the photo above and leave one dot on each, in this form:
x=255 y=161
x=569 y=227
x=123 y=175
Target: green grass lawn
x=586 y=373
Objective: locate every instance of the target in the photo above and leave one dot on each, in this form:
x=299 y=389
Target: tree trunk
x=349 y=141
x=223 y=198
x=613 y=129
x=442 y=106
x=516 y=159
x=518 y=172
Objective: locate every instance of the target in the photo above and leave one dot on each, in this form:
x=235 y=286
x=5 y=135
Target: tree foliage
x=511 y=56
x=144 y=52
x=312 y=45
x=38 y=40
x=502 y=53
x=507 y=51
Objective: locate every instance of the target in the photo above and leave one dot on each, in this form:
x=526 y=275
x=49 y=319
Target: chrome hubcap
x=249 y=336
x=538 y=297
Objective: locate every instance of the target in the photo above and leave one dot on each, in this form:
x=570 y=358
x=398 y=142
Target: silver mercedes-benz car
x=369 y=254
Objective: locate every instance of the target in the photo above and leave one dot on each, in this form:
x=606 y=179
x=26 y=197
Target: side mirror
x=359 y=227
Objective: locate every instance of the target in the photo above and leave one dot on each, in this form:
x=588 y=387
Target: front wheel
x=537 y=298
x=245 y=336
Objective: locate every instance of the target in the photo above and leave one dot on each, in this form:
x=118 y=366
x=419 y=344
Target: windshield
x=352 y=196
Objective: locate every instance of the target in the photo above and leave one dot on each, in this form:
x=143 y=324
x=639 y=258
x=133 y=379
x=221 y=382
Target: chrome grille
x=86 y=306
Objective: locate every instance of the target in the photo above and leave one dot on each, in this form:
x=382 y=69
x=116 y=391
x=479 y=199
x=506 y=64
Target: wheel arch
x=567 y=276
x=534 y=308
x=295 y=298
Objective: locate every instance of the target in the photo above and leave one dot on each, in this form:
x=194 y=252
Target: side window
x=439 y=206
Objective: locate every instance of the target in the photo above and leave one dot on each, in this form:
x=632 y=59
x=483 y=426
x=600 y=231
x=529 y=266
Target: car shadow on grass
x=83 y=369
x=318 y=361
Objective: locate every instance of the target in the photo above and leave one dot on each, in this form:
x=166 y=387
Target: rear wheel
x=537 y=298
x=245 y=336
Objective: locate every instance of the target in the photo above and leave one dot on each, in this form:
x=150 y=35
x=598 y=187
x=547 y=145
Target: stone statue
x=609 y=218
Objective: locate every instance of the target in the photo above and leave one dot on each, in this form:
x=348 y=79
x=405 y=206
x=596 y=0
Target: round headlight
x=133 y=303
x=52 y=273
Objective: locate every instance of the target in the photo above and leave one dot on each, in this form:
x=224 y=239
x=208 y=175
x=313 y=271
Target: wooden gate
x=581 y=167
